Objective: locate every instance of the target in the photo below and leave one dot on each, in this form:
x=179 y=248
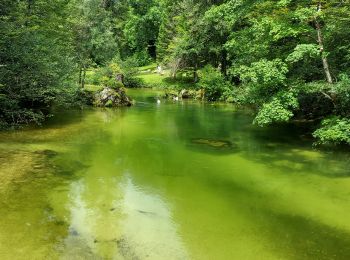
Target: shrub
x=141 y=58
x=278 y=110
x=131 y=81
x=130 y=71
x=214 y=84
x=334 y=130
x=342 y=90
x=263 y=78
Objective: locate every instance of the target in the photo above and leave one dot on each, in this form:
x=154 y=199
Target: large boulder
x=110 y=97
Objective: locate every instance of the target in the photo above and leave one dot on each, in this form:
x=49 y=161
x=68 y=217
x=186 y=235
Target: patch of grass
x=151 y=78
x=151 y=67
x=155 y=80
x=148 y=79
x=93 y=88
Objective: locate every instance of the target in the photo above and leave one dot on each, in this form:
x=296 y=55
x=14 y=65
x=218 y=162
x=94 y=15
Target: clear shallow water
x=140 y=183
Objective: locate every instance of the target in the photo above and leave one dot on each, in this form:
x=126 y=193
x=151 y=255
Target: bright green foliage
x=334 y=130
x=264 y=74
x=287 y=59
x=142 y=27
x=273 y=112
x=279 y=110
x=303 y=51
x=214 y=84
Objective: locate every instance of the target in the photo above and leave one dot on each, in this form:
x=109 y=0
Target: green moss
x=109 y=103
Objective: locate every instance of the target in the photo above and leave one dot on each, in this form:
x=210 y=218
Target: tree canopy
x=289 y=59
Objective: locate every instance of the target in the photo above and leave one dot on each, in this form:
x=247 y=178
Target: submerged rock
x=48 y=153
x=110 y=97
x=218 y=144
x=73 y=232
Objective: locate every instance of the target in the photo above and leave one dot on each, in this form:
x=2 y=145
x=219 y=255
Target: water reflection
x=182 y=180
x=118 y=220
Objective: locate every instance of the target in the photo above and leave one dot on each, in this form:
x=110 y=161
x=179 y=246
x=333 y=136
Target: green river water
x=175 y=180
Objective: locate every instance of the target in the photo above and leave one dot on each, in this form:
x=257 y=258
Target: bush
x=279 y=110
x=140 y=58
x=105 y=76
x=130 y=70
x=214 y=84
x=342 y=90
x=130 y=81
x=334 y=130
x=263 y=78
x=12 y=115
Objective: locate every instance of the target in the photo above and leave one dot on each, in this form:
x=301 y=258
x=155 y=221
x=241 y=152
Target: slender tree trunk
x=195 y=74
x=320 y=43
x=175 y=67
x=29 y=6
x=83 y=78
x=80 y=74
x=224 y=62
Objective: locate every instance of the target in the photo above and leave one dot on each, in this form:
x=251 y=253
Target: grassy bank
x=150 y=78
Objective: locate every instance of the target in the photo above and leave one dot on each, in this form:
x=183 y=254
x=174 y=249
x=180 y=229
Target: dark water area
x=175 y=180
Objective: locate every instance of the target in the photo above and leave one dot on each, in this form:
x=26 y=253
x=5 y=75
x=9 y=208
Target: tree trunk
x=320 y=43
x=224 y=62
x=195 y=74
x=83 y=78
x=80 y=75
x=29 y=6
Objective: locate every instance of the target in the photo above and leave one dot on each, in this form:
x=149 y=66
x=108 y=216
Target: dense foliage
x=289 y=59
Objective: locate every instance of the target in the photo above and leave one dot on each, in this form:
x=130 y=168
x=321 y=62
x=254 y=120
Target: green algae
x=161 y=181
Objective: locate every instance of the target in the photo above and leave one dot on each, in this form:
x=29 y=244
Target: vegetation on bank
x=289 y=60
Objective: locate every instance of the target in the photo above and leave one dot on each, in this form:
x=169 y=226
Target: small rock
x=73 y=232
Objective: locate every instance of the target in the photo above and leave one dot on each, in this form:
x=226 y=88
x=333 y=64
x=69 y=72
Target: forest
x=287 y=60
x=175 y=129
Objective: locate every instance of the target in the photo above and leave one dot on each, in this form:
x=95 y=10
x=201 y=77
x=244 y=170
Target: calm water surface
x=182 y=180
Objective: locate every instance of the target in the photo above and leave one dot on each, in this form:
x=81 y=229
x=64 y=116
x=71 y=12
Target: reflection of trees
x=281 y=147
x=130 y=185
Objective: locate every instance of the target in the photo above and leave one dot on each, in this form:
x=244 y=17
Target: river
x=170 y=180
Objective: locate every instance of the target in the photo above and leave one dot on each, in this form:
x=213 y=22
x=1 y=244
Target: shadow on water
x=306 y=239
x=27 y=218
x=293 y=236
x=284 y=147
x=295 y=156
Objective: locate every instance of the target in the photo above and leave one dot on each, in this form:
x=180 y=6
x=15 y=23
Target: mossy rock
x=109 y=97
x=217 y=144
x=109 y=103
x=47 y=153
x=171 y=94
